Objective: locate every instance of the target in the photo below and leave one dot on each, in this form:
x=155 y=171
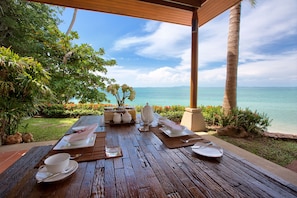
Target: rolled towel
x=83 y=134
x=172 y=126
x=176 y=128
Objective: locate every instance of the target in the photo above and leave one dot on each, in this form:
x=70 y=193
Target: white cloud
x=264 y=25
x=168 y=40
x=267 y=23
x=276 y=70
x=162 y=77
x=151 y=26
x=129 y=42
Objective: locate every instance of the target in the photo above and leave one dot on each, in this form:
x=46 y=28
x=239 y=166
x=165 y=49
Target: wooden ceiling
x=172 y=11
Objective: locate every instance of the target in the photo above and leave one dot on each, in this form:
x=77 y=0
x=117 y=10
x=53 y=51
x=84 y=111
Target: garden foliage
x=77 y=70
x=23 y=89
x=252 y=122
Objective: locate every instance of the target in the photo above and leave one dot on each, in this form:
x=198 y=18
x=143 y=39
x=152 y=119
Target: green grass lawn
x=279 y=151
x=44 y=129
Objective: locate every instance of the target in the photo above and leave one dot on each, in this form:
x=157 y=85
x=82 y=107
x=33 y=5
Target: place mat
x=88 y=154
x=173 y=142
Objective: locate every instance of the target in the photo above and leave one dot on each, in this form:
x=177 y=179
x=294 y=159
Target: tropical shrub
x=23 y=89
x=175 y=116
x=252 y=122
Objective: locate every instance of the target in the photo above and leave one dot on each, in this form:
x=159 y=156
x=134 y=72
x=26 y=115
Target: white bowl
x=176 y=129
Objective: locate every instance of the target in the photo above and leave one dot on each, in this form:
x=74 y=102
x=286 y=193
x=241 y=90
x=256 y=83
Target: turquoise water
x=279 y=103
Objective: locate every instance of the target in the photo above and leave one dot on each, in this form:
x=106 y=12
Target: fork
x=202 y=146
x=191 y=139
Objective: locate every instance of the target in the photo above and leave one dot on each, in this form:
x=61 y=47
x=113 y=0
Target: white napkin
x=83 y=134
x=171 y=125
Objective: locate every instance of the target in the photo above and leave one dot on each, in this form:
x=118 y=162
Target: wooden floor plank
x=109 y=176
x=147 y=169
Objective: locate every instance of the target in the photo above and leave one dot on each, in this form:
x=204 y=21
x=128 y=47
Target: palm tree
x=230 y=95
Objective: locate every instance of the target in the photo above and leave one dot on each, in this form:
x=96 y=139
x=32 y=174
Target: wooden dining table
x=146 y=167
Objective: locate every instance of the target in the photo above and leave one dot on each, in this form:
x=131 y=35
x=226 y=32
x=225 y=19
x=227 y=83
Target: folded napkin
x=176 y=127
x=83 y=134
x=171 y=125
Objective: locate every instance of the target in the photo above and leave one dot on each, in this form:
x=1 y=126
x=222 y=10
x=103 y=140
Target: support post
x=194 y=61
x=192 y=117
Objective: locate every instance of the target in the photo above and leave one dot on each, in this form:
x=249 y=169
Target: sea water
x=278 y=103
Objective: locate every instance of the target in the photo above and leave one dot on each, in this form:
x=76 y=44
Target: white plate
x=42 y=173
x=207 y=150
x=183 y=133
x=64 y=144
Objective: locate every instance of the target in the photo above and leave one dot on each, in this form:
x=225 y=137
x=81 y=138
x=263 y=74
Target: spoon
x=67 y=170
x=191 y=139
x=75 y=156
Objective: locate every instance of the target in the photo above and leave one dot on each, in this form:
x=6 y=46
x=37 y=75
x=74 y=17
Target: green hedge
x=70 y=110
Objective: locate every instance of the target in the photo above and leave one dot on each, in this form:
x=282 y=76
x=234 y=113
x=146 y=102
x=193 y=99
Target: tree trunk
x=72 y=22
x=68 y=54
x=230 y=96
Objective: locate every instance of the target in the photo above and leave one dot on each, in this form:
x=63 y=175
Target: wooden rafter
x=151 y=11
x=188 y=5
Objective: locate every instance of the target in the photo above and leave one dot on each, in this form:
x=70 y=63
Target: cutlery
x=202 y=146
x=56 y=174
x=191 y=139
x=206 y=145
x=72 y=157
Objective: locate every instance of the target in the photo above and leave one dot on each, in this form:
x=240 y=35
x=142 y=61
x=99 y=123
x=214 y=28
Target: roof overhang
x=172 y=11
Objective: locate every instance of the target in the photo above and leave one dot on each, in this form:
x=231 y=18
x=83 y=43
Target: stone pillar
x=193 y=120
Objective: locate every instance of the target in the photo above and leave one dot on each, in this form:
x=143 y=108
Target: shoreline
x=280 y=135
x=285 y=133
x=282 y=128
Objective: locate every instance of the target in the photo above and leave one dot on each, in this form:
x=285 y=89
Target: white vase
x=126 y=117
x=147 y=114
x=117 y=118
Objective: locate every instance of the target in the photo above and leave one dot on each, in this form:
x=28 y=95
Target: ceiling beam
x=169 y=4
x=136 y=8
x=190 y=3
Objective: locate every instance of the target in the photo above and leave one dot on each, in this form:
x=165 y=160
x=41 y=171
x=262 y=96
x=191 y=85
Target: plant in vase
x=121 y=92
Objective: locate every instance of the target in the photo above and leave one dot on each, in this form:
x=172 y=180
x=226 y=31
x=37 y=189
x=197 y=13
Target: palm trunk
x=230 y=96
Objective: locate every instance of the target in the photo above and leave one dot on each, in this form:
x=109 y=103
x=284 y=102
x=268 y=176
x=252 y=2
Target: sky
x=157 y=54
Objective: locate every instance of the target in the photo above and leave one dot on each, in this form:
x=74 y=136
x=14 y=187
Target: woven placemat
x=173 y=142
x=95 y=152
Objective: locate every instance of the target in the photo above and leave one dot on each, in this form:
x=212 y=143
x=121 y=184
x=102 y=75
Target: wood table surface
x=147 y=169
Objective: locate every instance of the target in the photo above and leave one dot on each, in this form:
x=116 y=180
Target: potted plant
x=121 y=92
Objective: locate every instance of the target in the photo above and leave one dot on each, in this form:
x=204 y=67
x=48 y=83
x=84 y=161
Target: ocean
x=278 y=103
